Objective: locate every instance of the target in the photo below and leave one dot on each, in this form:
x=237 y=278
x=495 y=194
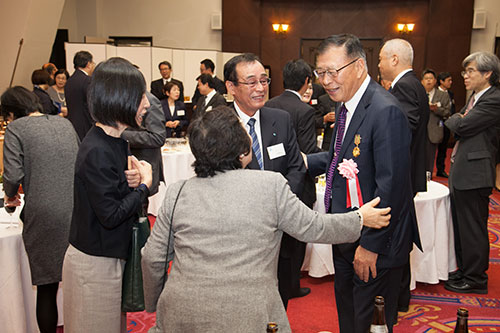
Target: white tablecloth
x=436 y=233
x=176 y=166
x=18 y=296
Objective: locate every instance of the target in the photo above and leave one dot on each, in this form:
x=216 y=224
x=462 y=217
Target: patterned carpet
x=432 y=308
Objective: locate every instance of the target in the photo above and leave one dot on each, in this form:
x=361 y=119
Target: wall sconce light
x=405 y=28
x=280 y=28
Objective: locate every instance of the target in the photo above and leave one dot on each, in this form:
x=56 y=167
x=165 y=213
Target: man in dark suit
x=207 y=66
x=146 y=142
x=274 y=143
x=297 y=75
x=445 y=81
x=395 y=65
x=325 y=118
x=472 y=171
x=166 y=76
x=372 y=131
x=210 y=98
x=75 y=92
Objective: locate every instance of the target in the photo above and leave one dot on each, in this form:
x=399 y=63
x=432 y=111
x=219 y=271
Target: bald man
x=395 y=65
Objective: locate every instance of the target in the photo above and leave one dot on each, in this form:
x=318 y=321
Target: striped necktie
x=338 y=145
x=457 y=143
x=255 y=143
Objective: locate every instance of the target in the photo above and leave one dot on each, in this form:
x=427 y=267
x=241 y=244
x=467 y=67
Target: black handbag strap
x=170 y=229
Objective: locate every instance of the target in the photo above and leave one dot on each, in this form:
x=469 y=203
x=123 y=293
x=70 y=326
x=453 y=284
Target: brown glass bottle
x=462 y=325
x=378 y=323
x=272 y=327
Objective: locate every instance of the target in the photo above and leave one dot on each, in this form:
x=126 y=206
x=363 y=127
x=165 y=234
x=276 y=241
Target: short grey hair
x=401 y=48
x=485 y=62
x=352 y=44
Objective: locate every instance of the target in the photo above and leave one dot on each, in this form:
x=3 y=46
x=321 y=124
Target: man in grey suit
x=297 y=75
x=472 y=171
x=439 y=104
x=274 y=143
x=146 y=142
x=210 y=98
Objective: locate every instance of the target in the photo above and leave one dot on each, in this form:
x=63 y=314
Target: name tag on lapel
x=181 y=113
x=209 y=108
x=314 y=101
x=276 y=151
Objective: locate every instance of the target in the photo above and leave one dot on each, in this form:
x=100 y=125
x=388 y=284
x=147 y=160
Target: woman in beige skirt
x=107 y=200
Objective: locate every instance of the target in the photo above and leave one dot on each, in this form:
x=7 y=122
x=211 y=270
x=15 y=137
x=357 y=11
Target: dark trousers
x=441 y=150
x=431 y=155
x=297 y=260
x=284 y=279
x=470 y=224
x=355 y=298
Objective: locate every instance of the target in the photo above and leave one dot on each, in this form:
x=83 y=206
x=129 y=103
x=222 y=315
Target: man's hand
x=329 y=117
x=364 y=262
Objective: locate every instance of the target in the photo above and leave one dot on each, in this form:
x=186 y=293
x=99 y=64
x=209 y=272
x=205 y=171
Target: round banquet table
x=176 y=166
x=18 y=301
x=436 y=234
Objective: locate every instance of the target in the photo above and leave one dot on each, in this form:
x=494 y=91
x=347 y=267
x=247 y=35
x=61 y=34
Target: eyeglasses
x=253 y=83
x=468 y=72
x=320 y=73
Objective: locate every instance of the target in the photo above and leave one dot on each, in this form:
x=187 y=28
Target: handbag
x=132 y=291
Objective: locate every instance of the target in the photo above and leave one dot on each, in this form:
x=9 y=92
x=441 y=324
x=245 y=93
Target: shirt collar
x=210 y=95
x=294 y=92
x=84 y=71
x=400 y=75
x=479 y=94
x=352 y=104
x=244 y=117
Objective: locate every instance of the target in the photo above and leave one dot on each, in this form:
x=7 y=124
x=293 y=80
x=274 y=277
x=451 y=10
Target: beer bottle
x=272 y=327
x=462 y=325
x=378 y=323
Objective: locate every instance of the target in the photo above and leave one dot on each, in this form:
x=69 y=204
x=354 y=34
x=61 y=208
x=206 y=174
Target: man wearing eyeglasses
x=274 y=143
x=373 y=132
x=472 y=171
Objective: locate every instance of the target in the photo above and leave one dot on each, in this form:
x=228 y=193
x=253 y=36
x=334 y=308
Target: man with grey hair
x=371 y=135
x=395 y=65
x=472 y=171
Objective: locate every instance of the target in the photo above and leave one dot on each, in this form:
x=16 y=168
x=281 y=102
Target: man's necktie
x=338 y=144
x=255 y=143
x=455 y=147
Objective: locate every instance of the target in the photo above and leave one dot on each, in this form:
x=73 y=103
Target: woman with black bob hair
x=225 y=233
x=39 y=149
x=40 y=79
x=107 y=200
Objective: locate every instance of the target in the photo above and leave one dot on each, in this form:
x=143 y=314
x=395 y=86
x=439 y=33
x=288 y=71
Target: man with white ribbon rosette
x=369 y=157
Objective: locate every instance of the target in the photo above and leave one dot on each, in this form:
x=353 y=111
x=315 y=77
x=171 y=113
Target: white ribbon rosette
x=349 y=170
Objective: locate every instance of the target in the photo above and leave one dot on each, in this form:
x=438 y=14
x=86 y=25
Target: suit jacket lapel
x=268 y=136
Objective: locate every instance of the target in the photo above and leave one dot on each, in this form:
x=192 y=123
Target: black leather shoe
x=455 y=276
x=403 y=308
x=442 y=174
x=301 y=292
x=465 y=288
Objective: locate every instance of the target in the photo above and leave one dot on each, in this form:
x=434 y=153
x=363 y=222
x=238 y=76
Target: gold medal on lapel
x=357 y=140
